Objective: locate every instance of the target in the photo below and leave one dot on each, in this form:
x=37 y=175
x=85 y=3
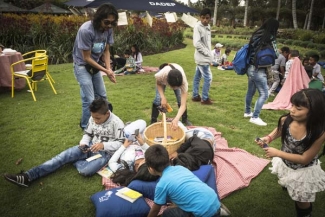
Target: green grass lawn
x=37 y=131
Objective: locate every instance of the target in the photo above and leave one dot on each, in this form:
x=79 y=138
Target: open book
x=128 y=194
x=105 y=172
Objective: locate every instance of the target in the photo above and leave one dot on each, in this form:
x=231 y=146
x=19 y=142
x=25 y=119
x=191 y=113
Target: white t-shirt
x=161 y=76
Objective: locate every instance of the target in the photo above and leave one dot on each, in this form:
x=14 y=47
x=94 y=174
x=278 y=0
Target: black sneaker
x=20 y=179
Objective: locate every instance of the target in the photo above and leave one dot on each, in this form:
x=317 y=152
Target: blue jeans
x=91 y=87
x=205 y=72
x=177 y=212
x=71 y=155
x=157 y=100
x=256 y=80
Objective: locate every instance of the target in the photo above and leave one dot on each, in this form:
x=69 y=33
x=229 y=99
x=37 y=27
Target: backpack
x=265 y=57
x=241 y=60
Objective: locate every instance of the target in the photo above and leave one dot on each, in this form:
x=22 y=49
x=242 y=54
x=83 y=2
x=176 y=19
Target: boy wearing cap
x=203 y=58
x=216 y=53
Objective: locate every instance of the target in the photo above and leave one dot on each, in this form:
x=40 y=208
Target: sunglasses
x=108 y=22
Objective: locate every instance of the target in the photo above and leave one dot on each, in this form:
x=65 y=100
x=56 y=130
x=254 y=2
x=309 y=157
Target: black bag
x=93 y=70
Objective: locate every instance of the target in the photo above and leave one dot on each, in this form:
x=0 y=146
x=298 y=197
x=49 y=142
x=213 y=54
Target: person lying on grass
x=102 y=136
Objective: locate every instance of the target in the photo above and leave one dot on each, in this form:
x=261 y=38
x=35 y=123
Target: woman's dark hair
x=137 y=50
x=102 y=13
x=314 y=100
x=125 y=176
x=268 y=31
x=175 y=78
x=99 y=105
x=157 y=157
x=163 y=65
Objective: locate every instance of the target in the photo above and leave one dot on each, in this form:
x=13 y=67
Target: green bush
x=288 y=42
x=322 y=54
x=304 y=43
x=56 y=34
x=310 y=53
x=319 y=38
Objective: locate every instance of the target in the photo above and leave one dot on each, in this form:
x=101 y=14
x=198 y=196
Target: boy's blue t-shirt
x=188 y=192
x=89 y=39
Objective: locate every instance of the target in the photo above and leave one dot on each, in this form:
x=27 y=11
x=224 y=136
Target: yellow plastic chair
x=37 y=73
x=35 y=53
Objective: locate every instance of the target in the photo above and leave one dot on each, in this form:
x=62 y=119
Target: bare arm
x=154 y=210
x=162 y=95
x=303 y=159
x=87 y=57
x=181 y=110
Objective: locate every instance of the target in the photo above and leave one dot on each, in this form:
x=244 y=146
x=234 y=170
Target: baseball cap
x=218 y=45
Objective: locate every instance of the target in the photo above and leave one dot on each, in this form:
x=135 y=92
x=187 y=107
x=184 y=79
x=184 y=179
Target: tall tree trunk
x=246 y=10
x=323 y=22
x=310 y=14
x=278 y=10
x=294 y=14
x=306 y=21
x=215 y=12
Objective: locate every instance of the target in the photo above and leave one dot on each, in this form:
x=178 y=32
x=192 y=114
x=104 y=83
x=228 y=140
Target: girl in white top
x=137 y=56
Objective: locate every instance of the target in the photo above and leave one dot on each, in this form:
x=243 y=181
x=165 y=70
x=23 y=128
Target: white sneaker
x=224 y=211
x=248 y=115
x=257 y=121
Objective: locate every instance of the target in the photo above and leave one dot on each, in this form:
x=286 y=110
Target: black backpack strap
x=173 y=67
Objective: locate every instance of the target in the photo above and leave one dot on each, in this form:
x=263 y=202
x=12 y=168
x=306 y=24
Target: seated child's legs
x=176 y=212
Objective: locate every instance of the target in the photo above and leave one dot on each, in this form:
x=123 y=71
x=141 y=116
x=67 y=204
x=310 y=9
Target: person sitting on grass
x=102 y=134
x=180 y=186
x=129 y=67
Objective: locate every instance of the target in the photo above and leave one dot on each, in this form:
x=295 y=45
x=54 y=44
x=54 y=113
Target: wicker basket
x=157 y=130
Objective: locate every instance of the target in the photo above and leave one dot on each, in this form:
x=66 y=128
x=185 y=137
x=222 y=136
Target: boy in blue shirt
x=177 y=184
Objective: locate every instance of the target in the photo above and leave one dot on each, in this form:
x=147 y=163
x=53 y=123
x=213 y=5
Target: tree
x=215 y=12
x=310 y=14
x=278 y=10
x=246 y=10
x=294 y=14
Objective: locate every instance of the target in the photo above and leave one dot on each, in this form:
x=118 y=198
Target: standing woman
x=137 y=56
x=91 y=55
x=257 y=77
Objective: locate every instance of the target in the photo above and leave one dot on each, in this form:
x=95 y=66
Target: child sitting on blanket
x=129 y=67
x=180 y=186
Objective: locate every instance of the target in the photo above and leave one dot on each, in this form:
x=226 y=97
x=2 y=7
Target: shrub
x=322 y=54
x=311 y=52
x=288 y=42
x=57 y=34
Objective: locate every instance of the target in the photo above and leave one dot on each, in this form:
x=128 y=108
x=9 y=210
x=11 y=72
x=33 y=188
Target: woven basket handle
x=165 y=128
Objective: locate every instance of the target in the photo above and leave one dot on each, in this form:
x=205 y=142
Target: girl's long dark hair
x=314 y=100
x=267 y=32
x=125 y=176
x=137 y=50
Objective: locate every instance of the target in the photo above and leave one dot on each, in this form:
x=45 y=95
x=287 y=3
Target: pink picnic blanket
x=296 y=80
x=234 y=167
